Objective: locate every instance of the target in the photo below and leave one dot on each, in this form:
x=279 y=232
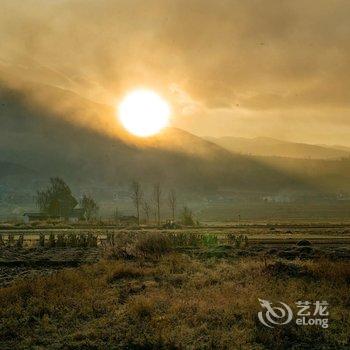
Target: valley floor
x=151 y=291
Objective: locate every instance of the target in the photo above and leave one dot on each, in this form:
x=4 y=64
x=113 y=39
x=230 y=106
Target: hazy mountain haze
x=226 y=70
x=264 y=146
x=68 y=142
x=222 y=66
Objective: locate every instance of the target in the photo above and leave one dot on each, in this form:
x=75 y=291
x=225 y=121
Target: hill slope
x=58 y=133
x=264 y=146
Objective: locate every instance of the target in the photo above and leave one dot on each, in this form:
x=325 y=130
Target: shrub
x=237 y=241
x=72 y=240
x=61 y=241
x=141 y=308
x=185 y=239
x=82 y=240
x=187 y=217
x=41 y=240
x=123 y=271
x=52 y=241
x=122 y=246
x=20 y=241
x=110 y=238
x=282 y=269
x=11 y=239
x=92 y=240
x=210 y=240
x=155 y=244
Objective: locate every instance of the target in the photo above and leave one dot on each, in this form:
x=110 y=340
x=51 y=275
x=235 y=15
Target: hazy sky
x=245 y=68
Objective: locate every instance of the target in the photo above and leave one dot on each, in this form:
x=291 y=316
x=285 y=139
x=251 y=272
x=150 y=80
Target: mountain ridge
x=75 y=141
x=266 y=146
x=41 y=138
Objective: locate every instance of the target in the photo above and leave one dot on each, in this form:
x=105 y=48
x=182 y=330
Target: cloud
x=265 y=57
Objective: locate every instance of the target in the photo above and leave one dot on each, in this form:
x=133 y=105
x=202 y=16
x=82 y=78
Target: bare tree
x=116 y=215
x=154 y=213
x=89 y=206
x=157 y=193
x=136 y=197
x=146 y=209
x=172 y=202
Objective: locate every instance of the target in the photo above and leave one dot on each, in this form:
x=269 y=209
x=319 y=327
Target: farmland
x=26 y=250
x=186 y=288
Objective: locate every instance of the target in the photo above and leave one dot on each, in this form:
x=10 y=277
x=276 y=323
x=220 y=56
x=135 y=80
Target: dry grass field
x=166 y=290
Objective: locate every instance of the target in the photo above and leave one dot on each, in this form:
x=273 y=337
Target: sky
x=272 y=68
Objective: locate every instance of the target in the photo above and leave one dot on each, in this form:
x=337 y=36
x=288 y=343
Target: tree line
x=57 y=201
x=142 y=203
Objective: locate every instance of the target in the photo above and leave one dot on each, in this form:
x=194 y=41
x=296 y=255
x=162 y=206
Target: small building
x=128 y=219
x=76 y=215
x=30 y=217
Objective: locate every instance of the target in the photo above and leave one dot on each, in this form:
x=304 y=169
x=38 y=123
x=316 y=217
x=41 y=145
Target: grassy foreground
x=173 y=300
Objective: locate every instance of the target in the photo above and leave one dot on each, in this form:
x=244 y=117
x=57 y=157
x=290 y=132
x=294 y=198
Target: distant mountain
x=264 y=146
x=58 y=133
x=339 y=147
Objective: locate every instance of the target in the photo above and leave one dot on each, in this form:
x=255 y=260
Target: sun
x=144 y=113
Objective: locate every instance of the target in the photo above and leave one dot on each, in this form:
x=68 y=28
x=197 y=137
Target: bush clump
x=239 y=241
x=282 y=269
x=186 y=239
x=155 y=244
x=210 y=240
x=187 y=217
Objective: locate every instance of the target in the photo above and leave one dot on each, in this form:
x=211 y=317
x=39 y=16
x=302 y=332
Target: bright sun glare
x=144 y=113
